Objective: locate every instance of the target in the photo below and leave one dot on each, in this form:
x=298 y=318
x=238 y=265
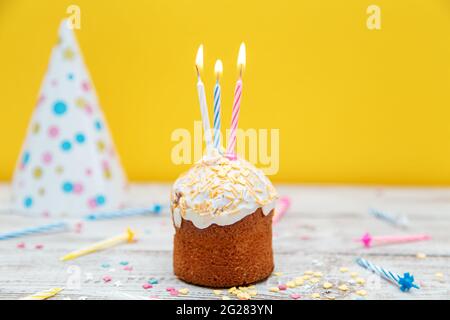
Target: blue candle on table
x=218 y=69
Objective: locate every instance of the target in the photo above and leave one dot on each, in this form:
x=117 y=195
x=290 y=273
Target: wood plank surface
x=316 y=234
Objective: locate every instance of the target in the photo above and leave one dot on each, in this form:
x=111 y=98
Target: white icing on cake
x=220 y=191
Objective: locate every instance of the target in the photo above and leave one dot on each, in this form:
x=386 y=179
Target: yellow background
x=353 y=105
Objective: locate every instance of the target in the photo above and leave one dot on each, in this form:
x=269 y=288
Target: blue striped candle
x=51 y=227
x=404 y=283
x=218 y=69
x=156 y=209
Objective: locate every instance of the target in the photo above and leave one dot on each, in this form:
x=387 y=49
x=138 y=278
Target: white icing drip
x=219 y=191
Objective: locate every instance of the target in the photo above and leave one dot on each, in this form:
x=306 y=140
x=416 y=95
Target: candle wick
x=240 y=72
x=198 y=71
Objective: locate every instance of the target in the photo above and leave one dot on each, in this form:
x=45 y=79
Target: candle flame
x=199 y=58
x=241 y=58
x=218 y=68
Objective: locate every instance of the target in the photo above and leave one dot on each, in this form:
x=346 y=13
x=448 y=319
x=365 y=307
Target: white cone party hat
x=68 y=165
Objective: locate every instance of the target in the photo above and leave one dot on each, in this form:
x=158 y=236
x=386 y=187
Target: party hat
x=68 y=163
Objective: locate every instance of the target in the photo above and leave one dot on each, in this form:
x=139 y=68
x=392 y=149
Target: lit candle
x=236 y=105
x=202 y=98
x=218 y=69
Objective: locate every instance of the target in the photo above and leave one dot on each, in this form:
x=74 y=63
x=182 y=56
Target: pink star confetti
x=107 y=279
x=21 y=245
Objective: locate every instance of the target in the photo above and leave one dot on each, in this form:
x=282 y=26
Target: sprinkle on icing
x=220 y=191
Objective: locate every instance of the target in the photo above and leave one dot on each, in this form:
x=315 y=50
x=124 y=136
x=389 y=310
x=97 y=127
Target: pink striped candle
x=369 y=240
x=231 y=150
x=283 y=205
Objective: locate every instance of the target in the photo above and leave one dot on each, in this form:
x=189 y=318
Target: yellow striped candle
x=128 y=236
x=43 y=295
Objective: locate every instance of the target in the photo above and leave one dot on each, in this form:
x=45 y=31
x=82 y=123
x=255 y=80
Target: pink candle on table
x=231 y=150
x=369 y=240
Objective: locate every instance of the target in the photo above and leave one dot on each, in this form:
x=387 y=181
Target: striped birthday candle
x=156 y=209
x=218 y=68
x=405 y=283
x=46 y=228
x=396 y=220
x=236 y=105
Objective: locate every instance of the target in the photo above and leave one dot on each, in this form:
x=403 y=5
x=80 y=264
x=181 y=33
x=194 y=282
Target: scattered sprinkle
x=243 y=295
x=307 y=277
x=308 y=272
x=231 y=290
x=343 y=287
x=78 y=227
x=291 y=284
x=39 y=246
x=278 y=274
x=170 y=289
x=421 y=255
x=353 y=274
x=314 y=280
x=361 y=292
x=252 y=293
x=225 y=298
x=274 y=289
x=153 y=281
x=327 y=285
x=147 y=286
x=21 y=245
x=107 y=278
x=123 y=263
x=282 y=287
x=217 y=292
x=343 y=269
x=184 y=291
x=105 y=265
x=360 y=280
x=299 y=281
x=174 y=292
x=295 y=296
x=315 y=295
x=318 y=274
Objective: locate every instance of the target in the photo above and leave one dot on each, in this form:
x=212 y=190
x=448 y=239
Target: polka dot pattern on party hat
x=59 y=108
x=67 y=165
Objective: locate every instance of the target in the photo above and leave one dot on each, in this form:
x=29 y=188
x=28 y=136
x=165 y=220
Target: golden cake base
x=225 y=256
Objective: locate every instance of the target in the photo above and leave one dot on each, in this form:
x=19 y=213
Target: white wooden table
x=316 y=234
